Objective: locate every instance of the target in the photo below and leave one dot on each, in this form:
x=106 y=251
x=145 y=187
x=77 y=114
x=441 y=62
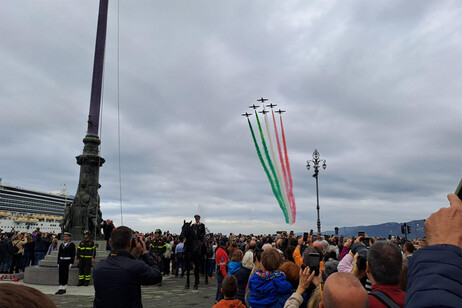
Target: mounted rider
x=199 y=230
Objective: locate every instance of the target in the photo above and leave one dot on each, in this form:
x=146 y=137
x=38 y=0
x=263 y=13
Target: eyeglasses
x=321 y=288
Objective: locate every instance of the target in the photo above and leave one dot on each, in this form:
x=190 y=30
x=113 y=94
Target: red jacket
x=222 y=260
x=394 y=292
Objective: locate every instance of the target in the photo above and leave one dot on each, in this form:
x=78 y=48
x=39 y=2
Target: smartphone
x=305 y=236
x=361 y=233
x=311 y=231
x=459 y=190
x=313 y=263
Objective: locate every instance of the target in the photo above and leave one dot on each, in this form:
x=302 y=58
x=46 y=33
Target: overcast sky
x=373 y=85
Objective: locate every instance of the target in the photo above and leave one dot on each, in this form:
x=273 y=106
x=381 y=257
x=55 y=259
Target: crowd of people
x=19 y=250
x=285 y=270
x=282 y=270
x=291 y=271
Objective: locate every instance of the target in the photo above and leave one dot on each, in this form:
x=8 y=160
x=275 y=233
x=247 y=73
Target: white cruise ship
x=25 y=209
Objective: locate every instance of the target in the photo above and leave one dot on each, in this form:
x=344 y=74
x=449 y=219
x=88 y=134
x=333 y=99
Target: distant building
x=25 y=209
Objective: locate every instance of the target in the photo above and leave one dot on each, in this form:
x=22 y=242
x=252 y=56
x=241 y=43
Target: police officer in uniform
x=85 y=258
x=66 y=256
x=199 y=229
x=158 y=249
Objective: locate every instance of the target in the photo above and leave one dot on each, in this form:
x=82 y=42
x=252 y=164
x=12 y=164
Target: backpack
x=209 y=251
x=15 y=249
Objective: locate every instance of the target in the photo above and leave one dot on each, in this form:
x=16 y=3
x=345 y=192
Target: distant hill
x=383 y=230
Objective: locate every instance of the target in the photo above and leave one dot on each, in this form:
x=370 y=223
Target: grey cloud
x=372 y=85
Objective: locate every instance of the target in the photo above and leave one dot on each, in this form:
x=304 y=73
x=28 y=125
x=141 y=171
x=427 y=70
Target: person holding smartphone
x=439 y=263
x=297 y=252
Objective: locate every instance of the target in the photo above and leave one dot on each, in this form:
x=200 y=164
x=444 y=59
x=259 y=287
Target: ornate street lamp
x=316 y=164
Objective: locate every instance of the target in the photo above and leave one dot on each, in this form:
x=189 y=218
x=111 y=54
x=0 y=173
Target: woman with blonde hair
x=18 y=241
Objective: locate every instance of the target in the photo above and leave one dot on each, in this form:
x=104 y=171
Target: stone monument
x=84 y=213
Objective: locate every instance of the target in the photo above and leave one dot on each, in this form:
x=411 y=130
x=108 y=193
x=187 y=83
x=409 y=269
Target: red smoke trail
x=288 y=166
x=283 y=164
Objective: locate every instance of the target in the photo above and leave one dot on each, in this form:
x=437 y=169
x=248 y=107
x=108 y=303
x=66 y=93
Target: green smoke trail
x=275 y=183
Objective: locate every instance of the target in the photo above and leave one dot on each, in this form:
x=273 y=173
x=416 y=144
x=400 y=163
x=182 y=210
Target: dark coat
x=29 y=248
x=242 y=276
x=118 y=279
x=6 y=250
x=107 y=230
x=41 y=244
x=435 y=277
x=199 y=229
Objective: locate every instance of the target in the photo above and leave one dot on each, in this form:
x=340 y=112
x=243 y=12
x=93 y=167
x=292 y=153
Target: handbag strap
x=384 y=299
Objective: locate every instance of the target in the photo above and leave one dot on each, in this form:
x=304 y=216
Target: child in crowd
x=236 y=261
x=229 y=290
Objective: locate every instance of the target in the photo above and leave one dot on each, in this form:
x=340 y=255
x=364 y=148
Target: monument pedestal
x=46 y=273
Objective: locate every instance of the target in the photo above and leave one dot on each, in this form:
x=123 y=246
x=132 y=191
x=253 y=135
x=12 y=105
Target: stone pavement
x=170 y=294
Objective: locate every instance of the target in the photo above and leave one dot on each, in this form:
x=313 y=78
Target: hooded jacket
x=233 y=266
x=269 y=289
x=229 y=303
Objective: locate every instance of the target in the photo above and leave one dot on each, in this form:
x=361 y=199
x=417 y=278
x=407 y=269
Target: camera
x=367 y=241
x=134 y=240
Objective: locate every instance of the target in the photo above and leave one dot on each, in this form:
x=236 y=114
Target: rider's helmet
x=158 y=231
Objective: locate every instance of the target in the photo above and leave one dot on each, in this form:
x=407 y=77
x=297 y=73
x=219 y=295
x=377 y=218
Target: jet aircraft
x=280 y=111
x=246 y=114
x=254 y=107
x=271 y=105
x=262 y=100
x=264 y=111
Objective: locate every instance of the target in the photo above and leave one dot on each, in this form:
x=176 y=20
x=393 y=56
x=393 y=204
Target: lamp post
x=316 y=164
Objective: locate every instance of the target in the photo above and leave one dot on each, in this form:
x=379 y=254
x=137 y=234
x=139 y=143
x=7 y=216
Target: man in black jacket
x=199 y=228
x=118 y=278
